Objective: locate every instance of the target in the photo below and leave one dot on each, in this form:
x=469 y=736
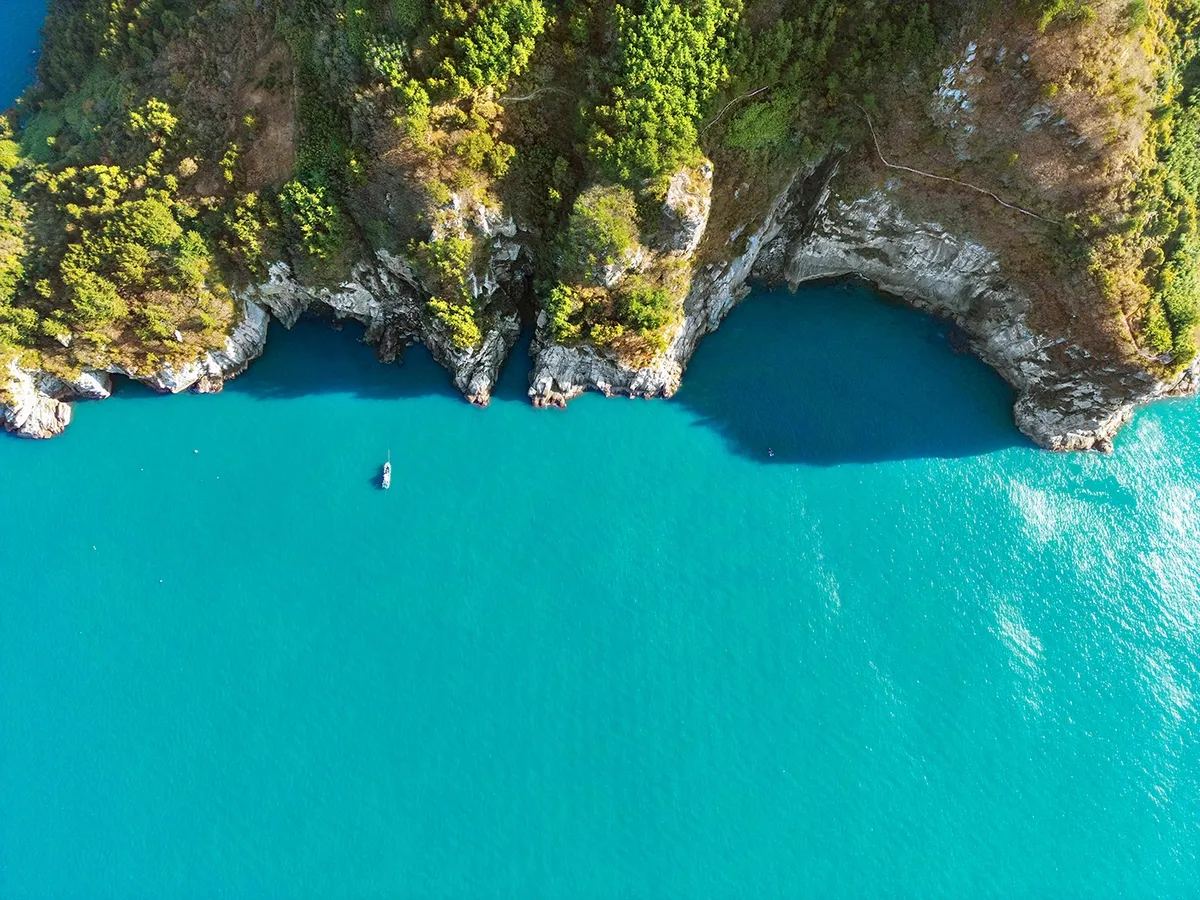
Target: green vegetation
x=669 y=60
x=114 y=255
x=1051 y=11
x=1165 y=217
x=813 y=65
x=17 y=324
x=602 y=231
x=446 y=266
x=151 y=178
x=1144 y=247
x=313 y=219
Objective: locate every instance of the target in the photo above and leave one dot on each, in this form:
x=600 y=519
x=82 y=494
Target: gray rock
x=1067 y=399
x=561 y=372
x=28 y=412
x=244 y=344
x=385 y=295
x=686 y=208
x=34 y=404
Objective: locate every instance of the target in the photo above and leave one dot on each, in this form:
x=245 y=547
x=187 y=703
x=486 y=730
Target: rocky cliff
x=619 y=172
x=1067 y=398
x=35 y=403
x=383 y=293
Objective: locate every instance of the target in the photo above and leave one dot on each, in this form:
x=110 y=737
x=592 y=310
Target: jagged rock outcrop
x=686 y=209
x=32 y=403
x=209 y=373
x=1067 y=398
x=36 y=404
x=561 y=372
x=385 y=295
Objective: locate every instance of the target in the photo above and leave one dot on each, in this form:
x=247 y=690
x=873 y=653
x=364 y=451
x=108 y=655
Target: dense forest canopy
x=174 y=149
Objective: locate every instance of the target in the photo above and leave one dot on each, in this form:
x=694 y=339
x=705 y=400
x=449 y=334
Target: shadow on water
x=838 y=373
x=834 y=373
x=313 y=358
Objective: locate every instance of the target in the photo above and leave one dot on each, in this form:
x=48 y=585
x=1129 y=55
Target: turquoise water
x=616 y=651
x=611 y=651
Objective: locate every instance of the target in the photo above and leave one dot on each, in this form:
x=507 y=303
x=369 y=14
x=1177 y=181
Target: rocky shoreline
x=1066 y=398
x=37 y=404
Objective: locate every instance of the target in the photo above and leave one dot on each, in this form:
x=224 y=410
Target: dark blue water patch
x=832 y=374
x=313 y=358
x=21 y=19
x=835 y=374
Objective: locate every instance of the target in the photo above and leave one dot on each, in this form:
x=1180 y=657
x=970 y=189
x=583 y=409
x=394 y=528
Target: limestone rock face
x=35 y=404
x=244 y=344
x=611 y=274
x=90 y=384
x=686 y=209
x=385 y=295
x=1067 y=399
x=26 y=411
x=563 y=372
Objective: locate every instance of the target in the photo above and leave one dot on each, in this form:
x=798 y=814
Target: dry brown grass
x=271 y=154
x=241 y=68
x=1056 y=122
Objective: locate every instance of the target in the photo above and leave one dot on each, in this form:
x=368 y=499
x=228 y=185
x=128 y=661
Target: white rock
x=28 y=412
x=244 y=344
x=687 y=207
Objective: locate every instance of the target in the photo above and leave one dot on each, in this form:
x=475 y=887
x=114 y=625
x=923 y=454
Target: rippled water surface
x=614 y=651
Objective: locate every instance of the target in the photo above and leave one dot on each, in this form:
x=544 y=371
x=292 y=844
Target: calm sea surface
x=616 y=651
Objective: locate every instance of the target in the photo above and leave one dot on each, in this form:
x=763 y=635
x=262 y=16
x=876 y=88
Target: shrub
x=312 y=216
x=562 y=305
x=245 y=231
x=460 y=319
x=605 y=333
x=645 y=309
x=760 y=126
x=602 y=229
x=1138 y=14
x=669 y=60
x=445 y=263
x=498 y=45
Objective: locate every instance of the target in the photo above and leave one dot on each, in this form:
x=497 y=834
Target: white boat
x=387 y=472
